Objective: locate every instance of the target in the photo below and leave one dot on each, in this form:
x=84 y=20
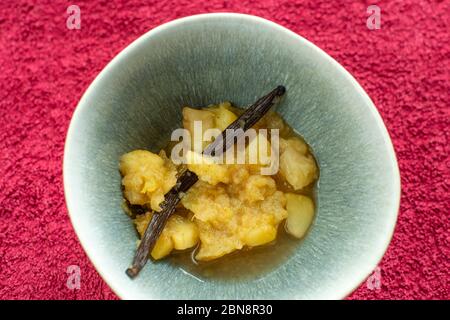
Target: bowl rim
x=71 y=206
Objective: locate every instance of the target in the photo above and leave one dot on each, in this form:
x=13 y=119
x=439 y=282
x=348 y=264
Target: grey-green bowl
x=135 y=102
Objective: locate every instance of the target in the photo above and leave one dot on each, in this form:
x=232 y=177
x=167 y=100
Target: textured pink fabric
x=45 y=68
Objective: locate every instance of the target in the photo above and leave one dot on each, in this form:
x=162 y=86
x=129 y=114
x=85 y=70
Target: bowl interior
x=136 y=102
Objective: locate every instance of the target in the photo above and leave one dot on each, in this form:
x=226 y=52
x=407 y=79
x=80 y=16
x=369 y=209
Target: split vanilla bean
x=188 y=178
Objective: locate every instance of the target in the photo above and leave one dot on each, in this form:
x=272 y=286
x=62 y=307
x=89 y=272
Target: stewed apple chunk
x=300 y=210
x=179 y=233
x=296 y=164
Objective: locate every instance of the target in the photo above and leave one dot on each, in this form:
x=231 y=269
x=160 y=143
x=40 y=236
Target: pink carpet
x=45 y=68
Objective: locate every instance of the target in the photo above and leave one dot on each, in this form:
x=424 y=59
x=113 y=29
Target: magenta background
x=45 y=68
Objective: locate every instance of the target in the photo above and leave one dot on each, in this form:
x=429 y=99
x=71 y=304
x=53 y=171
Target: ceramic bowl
x=135 y=102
